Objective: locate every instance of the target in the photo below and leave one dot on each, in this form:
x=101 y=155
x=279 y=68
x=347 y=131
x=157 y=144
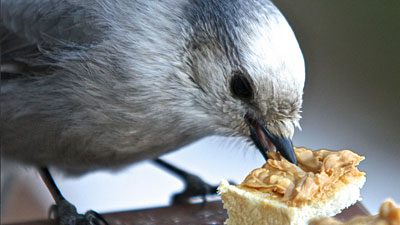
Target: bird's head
x=248 y=70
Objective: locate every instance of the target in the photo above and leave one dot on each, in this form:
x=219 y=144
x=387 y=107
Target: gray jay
x=99 y=84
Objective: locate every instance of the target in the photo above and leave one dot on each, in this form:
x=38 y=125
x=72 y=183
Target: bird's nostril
x=249 y=119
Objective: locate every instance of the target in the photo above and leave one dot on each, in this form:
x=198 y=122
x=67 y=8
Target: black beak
x=263 y=139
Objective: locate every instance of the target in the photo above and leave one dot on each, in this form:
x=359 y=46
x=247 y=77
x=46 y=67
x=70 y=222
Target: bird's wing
x=46 y=20
x=15 y=55
x=30 y=28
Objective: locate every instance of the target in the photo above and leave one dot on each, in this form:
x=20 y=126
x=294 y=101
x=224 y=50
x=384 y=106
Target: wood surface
x=208 y=213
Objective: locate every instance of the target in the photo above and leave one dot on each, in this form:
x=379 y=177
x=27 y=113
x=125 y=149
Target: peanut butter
x=389 y=214
x=318 y=175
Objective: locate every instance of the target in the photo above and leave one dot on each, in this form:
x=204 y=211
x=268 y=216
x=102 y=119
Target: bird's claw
x=194 y=187
x=95 y=218
x=67 y=214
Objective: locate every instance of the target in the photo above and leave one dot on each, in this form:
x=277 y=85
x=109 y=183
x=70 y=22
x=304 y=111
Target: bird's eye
x=241 y=87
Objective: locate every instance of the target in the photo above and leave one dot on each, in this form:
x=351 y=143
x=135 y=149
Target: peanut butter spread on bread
x=318 y=175
x=389 y=214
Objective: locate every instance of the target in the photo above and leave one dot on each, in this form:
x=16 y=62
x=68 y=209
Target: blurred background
x=351 y=101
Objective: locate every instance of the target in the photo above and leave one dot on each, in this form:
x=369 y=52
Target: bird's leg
x=194 y=185
x=63 y=210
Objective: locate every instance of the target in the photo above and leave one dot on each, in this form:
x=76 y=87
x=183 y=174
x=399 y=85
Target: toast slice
x=389 y=214
x=280 y=193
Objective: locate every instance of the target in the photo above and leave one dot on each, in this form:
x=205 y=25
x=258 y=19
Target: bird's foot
x=67 y=214
x=194 y=187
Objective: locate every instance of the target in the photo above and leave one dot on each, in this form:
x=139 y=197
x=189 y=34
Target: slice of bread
x=258 y=205
x=389 y=214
